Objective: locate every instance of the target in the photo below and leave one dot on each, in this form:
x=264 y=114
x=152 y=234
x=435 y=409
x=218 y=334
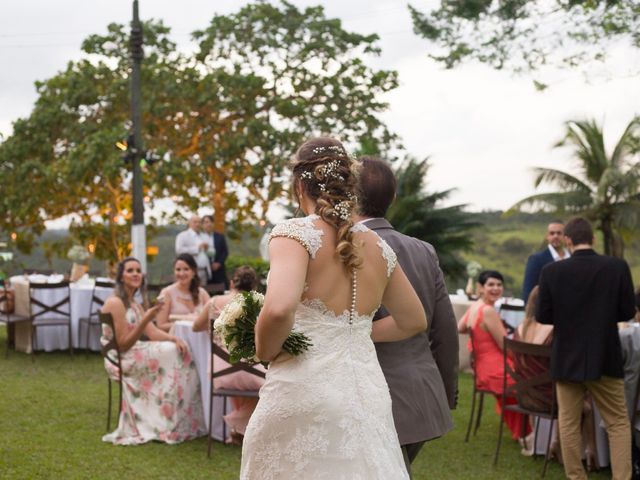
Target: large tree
x=224 y=121
x=527 y=34
x=605 y=187
x=62 y=159
x=420 y=214
x=272 y=75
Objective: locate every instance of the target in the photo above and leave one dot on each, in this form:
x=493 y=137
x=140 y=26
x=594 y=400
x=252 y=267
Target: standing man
x=195 y=243
x=584 y=298
x=555 y=251
x=422 y=371
x=218 y=241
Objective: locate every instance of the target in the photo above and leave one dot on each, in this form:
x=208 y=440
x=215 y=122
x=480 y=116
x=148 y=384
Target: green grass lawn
x=53 y=414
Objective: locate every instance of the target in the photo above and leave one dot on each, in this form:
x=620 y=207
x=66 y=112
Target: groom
x=422 y=371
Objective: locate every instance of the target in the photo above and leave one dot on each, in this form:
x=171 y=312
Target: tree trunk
x=218 y=199
x=607 y=234
x=617 y=249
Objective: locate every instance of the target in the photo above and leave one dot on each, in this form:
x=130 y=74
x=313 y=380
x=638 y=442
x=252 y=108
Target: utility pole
x=136 y=150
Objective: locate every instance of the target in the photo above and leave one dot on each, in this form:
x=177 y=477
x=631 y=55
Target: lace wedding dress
x=325 y=414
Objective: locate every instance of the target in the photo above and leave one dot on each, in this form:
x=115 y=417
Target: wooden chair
x=6 y=312
x=106 y=320
x=101 y=290
x=217 y=350
x=531 y=386
x=49 y=314
x=477 y=392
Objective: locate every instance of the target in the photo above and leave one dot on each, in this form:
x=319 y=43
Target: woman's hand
x=151 y=312
x=182 y=347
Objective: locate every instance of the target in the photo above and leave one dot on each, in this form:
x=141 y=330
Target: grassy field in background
x=53 y=414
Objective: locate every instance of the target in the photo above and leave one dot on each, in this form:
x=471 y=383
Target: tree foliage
x=419 y=214
x=224 y=121
x=524 y=35
x=606 y=188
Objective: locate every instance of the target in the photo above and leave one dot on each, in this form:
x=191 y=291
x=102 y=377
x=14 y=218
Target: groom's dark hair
x=377 y=187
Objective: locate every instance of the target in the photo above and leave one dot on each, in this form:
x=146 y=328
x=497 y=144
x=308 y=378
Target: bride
x=326 y=414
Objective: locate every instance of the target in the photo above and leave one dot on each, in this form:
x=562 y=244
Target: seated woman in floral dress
x=244 y=279
x=185 y=296
x=161 y=391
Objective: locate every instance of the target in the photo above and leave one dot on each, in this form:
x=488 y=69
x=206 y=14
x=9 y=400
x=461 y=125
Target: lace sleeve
x=389 y=255
x=302 y=230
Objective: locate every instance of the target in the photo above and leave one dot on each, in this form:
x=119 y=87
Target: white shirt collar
x=555 y=254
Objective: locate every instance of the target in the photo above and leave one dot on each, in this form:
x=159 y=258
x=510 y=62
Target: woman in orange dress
x=483 y=321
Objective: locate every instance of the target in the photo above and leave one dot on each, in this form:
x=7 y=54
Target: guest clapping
x=160 y=393
x=184 y=296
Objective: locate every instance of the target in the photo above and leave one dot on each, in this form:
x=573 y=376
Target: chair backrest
x=57 y=306
x=511 y=315
x=101 y=291
x=472 y=356
x=218 y=351
x=106 y=320
x=6 y=299
x=528 y=365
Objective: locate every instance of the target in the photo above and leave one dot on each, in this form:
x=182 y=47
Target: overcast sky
x=483 y=129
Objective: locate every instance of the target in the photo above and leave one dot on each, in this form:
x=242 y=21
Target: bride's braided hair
x=328 y=177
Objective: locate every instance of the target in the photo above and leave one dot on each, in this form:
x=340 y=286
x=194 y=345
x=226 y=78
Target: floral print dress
x=161 y=392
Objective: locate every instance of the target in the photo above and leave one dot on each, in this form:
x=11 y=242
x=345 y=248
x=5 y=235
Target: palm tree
x=605 y=189
x=418 y=214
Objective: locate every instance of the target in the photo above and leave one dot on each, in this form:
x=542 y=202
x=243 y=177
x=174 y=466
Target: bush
x=515 y=245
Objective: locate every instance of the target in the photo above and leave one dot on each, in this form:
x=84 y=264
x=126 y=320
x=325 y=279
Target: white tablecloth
x=55 y=338
x=201 y=351
x=460 y=305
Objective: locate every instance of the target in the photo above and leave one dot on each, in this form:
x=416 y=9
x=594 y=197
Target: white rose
x=218 y=326
x=234 y=311
x=258 y=297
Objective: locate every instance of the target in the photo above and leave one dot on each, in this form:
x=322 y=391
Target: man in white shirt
x=195 y=243
x=555 y=251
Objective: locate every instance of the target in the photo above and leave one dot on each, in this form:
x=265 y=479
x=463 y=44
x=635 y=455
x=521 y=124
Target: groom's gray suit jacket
x=422 y=371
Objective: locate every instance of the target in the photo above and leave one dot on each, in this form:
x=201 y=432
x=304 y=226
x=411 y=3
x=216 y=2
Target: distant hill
x=501 y=243
x=160 y=267
x=504 y=244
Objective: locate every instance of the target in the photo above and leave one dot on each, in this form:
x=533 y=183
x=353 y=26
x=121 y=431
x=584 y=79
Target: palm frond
x=561 y=179
x=559 y=202
x=627 y=142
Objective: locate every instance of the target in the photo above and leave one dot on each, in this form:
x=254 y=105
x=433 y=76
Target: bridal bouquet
x=236 y=325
